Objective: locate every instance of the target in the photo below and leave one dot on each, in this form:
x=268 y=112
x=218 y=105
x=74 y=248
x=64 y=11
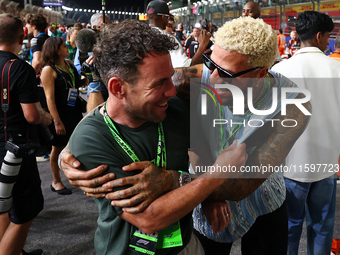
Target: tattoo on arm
x=181 y=79
x=277 y=142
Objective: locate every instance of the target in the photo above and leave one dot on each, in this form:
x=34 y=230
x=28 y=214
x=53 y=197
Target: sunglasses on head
x=221 y=72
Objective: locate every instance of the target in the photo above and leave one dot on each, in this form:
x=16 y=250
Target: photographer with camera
x=85 y=40
x=21 y=197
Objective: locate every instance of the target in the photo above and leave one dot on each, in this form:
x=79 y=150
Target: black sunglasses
x=221 y=72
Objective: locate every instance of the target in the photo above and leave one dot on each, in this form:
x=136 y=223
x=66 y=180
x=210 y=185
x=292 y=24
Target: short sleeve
x=35 y=47
x=23 y=80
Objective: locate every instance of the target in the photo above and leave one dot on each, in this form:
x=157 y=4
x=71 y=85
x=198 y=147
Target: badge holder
x=72 y=97
x=169 y=237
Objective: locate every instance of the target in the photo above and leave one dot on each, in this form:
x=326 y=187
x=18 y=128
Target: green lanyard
x=161 y=150
x=71 y=73
x=238 y=126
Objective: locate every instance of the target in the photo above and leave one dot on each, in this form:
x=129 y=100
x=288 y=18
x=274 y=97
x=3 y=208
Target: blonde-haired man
x=255 y=210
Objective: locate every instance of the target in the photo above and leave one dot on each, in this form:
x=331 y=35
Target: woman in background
x=61 y=82
x=71 y=42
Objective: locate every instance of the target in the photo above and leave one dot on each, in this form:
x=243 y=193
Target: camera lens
x=9 y=170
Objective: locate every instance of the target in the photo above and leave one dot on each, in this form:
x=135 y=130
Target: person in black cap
x=158 y=14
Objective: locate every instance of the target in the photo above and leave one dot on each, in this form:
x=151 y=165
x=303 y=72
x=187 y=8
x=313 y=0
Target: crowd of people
x=151 y=123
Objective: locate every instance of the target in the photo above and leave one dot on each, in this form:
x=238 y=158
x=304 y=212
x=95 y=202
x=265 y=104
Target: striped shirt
x=270 y=195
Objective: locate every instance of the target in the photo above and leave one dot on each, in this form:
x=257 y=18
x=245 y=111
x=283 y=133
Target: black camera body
x=204 y=24
x=87 y=71
x=21 y=147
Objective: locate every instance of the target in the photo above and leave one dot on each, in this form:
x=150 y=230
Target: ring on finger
x=227 y=215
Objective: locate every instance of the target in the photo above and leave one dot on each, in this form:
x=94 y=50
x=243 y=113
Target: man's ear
x=263 y=72
x=116 y=87
x=318 y=37
x=21 y=40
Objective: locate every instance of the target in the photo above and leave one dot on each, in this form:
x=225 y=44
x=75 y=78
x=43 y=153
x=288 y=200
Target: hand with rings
x=218 y=214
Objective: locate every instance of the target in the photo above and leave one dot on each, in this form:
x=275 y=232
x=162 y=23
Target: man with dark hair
x=311 y=190
x=257 y=211
x=192 y=43
x=336 y=54
x=36 y=24
x=24 y=110
x=143 y=117
x=179 y=33
x=251 y=9
x=170 y=26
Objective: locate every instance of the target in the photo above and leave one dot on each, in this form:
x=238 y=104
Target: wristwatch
x=184 y=178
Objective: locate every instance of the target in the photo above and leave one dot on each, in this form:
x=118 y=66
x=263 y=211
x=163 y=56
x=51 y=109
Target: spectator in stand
x=336 y=54
x=281 y=39
x=294 y=44
x=24 y=54
x=77 y=25
x=61 y=82
x=191 y=44
x=179 y=33
x=170 y=26
x=62 y=28
x=71 y=43
x=53 y=31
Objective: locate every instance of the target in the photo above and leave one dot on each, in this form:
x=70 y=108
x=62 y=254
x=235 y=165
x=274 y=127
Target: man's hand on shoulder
x=151 y=183
x=88 y=181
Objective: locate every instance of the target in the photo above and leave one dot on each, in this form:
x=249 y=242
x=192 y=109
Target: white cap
x=198 y=25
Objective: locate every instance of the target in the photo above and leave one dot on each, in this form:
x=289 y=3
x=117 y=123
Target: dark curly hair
x=49 y=53
x=37 y=20
x=309 y=23
x=121 y=48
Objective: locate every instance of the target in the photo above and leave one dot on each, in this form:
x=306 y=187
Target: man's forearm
x=197 y=58
x=181 y=79
x=172 y=206
x=95 y=99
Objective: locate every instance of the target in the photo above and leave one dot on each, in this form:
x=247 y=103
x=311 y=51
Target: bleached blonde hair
x=251 y=37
